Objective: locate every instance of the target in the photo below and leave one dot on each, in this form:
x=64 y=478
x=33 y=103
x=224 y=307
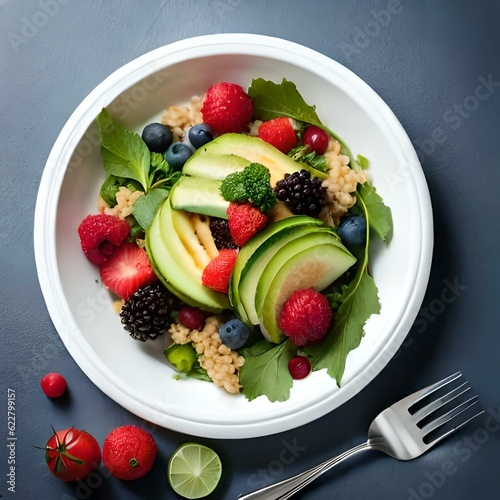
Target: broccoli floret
x=252 y=184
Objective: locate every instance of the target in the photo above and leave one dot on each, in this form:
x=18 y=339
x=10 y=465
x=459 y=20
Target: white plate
x=134 y=374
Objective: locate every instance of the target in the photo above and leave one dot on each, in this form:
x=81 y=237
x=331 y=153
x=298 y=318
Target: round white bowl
x=136 y=375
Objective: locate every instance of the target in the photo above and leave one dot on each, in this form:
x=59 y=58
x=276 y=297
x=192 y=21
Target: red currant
x=53 y=385
x=191 y=317
x=316 y=138
x=299 y=367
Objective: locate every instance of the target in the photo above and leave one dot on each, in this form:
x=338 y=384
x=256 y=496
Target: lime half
x=194 y=470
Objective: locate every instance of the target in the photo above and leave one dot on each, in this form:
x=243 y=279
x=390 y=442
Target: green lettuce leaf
x=265 y=371
x=124 y=153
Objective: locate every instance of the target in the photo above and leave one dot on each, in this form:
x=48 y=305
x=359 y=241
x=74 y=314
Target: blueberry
x=199 y=135
x=352 y=231
x=157 y=137
x=177 y=154
x=234 y=333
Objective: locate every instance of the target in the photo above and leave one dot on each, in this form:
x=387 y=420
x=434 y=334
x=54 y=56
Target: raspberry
x=218 y=272
x=244 y=220
x=100 y=235
x=306 y=317
x=279 y=133
x=227 y=108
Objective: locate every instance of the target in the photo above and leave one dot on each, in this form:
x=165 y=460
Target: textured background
x=426 y=60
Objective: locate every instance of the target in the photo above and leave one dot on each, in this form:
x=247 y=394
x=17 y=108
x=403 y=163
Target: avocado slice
x=252 y=249
x=314 y=260
x=199 y=195
x=213 y=165
x=255 y=150
x=257 y=253
x=175 y=266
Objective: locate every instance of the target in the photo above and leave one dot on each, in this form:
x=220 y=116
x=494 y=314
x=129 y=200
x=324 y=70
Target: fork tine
x=443 y=419
x=416 y=397
x=438 y=403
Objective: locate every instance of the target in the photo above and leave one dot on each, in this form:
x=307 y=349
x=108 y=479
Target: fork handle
x=288 y=487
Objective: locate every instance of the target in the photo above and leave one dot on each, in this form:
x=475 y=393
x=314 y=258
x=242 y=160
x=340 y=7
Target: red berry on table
x=244 y=221
x=299 y=367
x=306 y=317
x=191 y=317
x=127 y=270
x=226 y=108
x=53 y=385
x=217 y=273
x=100 y=235
x=316 y=138
x=72 y=454
x=279 y=133
x=129 y=452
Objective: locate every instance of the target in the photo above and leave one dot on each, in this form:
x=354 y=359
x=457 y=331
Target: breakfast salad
x=236 y=231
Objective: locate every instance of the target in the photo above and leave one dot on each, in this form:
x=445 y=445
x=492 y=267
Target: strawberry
x=306 y=317
x=127 y=270
x=279 y=133
x=217 y=273
x=100 y=235
x=129 y=452
x=244 y=221
x=227 y=108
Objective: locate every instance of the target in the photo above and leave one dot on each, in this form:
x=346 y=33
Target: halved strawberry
x=218 y=272
x=244 y=221
x=127 y=270
x=279 y=133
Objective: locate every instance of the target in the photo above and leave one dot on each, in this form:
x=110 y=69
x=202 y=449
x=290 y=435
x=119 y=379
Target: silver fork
x=405 y=430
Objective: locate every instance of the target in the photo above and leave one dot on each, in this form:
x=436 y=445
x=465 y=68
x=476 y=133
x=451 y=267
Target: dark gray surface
x=425 y=61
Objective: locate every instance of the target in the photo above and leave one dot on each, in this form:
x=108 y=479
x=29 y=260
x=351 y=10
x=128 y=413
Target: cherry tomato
x=72 y=454
x=53 y=385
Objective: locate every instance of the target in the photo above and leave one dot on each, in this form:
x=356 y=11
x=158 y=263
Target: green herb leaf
x=145 y=206
x=304 y=154
x=363 y=162
x=265 y=371
x=379 y=215
x=124 y=153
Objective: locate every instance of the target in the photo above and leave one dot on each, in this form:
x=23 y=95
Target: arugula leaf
x=265 y=371
x=124 y=153
x=359 y=301
x=271 y=100
x=363 y=162
x=145 y=206
x=380 y=215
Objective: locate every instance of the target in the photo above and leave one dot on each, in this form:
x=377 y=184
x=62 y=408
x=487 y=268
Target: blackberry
x=303 y=194
x=221 y=234
x=147 y=313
